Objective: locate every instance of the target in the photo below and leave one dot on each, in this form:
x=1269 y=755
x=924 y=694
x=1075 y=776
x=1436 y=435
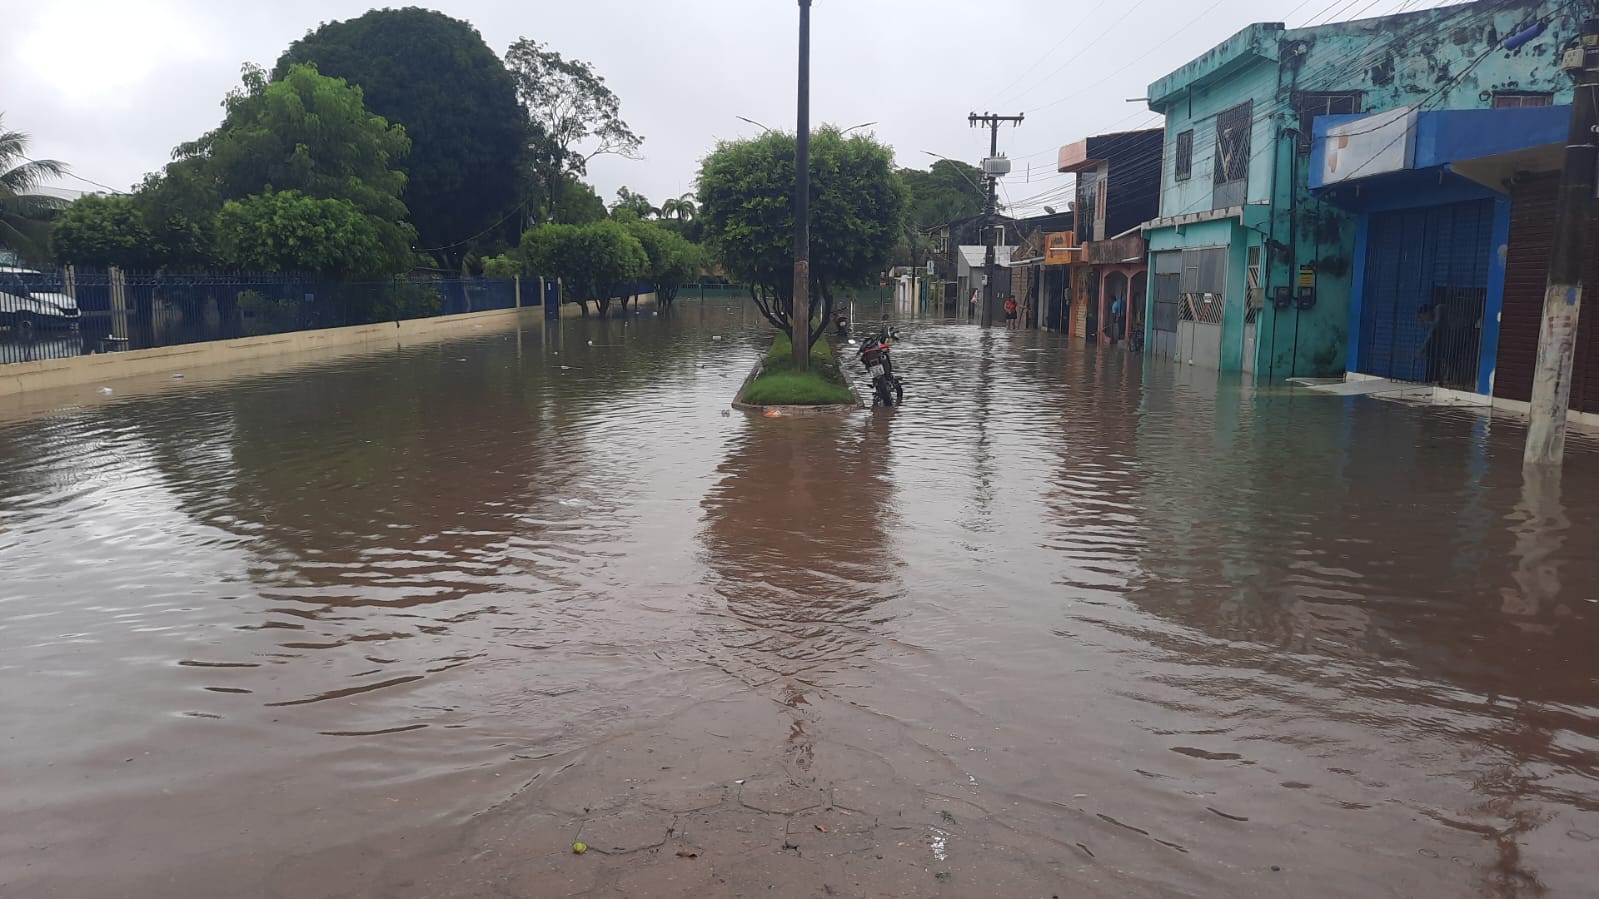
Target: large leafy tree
x=435 y=76
x=306 y=133
x=24 y=213
x=101 y=231
x=288 y=231
x=591 y=260
x=746 y=199
x=948 y=190
x=570 y=107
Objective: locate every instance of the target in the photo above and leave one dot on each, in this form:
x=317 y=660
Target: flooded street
x=411 y=624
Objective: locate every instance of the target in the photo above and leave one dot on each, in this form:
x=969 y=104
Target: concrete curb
x=794 y=411
x=18 y=378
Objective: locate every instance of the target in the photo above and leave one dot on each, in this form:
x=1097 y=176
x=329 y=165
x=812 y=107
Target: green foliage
x=673 y=261
x=574 y=202
x=435 y=76
x=309 y=133
x=947 y=191
x=570 y=106
x=504 y=265
x=780 y=385
x=24 y=214
x=101 y=231
x=287 y=231
x=638 y=204
x=680 y=209
x=591 y=260
x=857 y=213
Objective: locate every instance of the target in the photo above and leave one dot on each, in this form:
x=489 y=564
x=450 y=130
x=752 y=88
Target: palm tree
x=22 y=212
x=681 y=208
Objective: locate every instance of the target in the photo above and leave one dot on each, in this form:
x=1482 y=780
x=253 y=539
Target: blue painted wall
x=1439 y=59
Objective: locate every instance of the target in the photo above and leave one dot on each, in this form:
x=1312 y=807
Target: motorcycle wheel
x=899 y=392
x=883 y=394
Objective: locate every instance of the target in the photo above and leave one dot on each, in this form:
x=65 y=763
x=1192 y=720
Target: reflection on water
x=1190 y=628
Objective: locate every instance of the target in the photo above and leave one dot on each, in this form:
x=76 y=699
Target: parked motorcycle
x=874 y=353
x=842 y=325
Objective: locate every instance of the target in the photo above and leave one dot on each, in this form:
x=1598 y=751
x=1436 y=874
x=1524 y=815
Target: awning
x=1487 y=146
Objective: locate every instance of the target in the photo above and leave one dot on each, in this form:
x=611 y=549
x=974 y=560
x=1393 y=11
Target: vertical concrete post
x=1562 y=301
x=516 y=281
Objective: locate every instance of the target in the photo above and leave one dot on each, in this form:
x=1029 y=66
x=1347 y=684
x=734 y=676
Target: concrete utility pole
x=800 y=321
x=1574 y=222
x=992 y=170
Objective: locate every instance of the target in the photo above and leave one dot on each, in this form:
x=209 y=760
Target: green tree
x=857 y=212
x=947 y=191
x=24 y=214
x=591 y=260
x=309 y=134
x=505 y=265
x=435 y=76
x=679 y=209
x=575 y=203
x=288 y=231
x=672 y=260
x=179 y=205
x=569 y=105
x=638 y=204
x=103 y=231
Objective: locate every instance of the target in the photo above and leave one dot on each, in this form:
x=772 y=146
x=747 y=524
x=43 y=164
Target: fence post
x=119 y=305
x=517 y=280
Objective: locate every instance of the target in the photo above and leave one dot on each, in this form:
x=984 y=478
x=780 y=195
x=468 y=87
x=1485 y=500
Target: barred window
x=1232 y=143
x=1185 y=155
x=1309 y=104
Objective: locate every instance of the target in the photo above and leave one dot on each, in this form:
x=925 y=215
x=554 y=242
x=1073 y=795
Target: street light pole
x=800 y=320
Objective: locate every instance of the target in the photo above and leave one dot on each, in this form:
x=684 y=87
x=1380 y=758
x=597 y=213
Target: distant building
x=1252 y=271
x=1118 y=188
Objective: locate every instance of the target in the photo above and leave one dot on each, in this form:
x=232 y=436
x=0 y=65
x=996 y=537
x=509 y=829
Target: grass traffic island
x=775 y=383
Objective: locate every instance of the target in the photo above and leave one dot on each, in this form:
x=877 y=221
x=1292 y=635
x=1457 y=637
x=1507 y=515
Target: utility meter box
x=996 y=166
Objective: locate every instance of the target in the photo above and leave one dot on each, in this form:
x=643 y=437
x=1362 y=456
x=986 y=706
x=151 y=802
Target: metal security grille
x=1204 y=283
x=1232 y=155
x=1426 y=284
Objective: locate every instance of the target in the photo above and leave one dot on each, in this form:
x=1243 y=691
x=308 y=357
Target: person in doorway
x=1430 y=318
x=1010 y=313
x=1117 y=322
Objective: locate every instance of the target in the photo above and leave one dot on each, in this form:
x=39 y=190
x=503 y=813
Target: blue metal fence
x=55 y=314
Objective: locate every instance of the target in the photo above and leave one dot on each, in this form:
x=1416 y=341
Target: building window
x=1309 y=104
x=1518 y=99
x=1088 y=205
x=1232 y=155
x=1185 y=155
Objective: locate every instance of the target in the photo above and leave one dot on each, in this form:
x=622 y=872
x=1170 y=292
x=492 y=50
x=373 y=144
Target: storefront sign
x=1060 y=248
x=1381 y=142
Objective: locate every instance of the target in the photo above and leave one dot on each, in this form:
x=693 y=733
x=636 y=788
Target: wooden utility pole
x=991 y=170
x=800 y=321
x=1574 y=223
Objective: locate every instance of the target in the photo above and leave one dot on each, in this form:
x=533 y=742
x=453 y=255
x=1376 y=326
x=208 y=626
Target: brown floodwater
x=411 y=624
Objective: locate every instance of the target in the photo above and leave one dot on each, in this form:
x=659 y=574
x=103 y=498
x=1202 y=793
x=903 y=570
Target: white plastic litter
x=106 y=391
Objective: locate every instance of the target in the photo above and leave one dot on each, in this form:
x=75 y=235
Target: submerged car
x=31 y=299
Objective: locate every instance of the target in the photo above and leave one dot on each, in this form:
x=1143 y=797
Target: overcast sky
x=110 y=86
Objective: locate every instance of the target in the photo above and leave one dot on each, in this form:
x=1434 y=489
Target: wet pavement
x=411 y=624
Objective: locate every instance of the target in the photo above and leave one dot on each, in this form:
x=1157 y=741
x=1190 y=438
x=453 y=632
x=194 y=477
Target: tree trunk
x=605 y=306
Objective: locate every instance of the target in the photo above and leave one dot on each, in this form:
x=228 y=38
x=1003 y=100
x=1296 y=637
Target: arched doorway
x=1136 y=301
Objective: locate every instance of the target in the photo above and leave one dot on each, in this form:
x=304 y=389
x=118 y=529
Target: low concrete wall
x=107 y=369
